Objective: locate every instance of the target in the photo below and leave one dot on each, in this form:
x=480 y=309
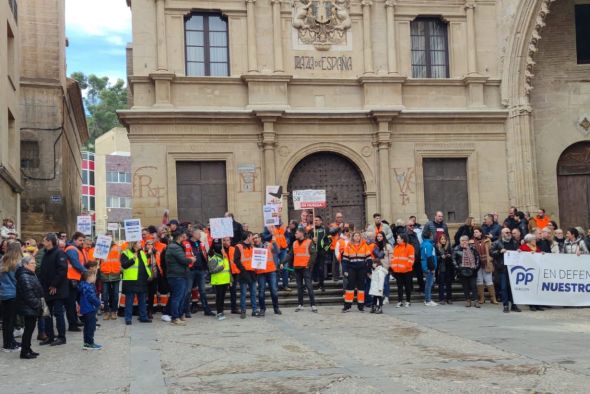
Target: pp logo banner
x=523 y=275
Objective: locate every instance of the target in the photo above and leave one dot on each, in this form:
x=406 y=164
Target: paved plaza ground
x=426 y=350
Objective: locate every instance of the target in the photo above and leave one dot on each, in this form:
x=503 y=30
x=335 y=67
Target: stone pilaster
x=268 y=142
x=161 y=36
x=383 y=143
x=277 y=36
x=251 y=22
x=471 y=45
x=367 y=39
x=391 y=36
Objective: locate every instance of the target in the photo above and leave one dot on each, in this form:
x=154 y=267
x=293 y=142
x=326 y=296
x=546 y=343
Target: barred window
x=207 y=51
x=430 y=51
x=583 y=33
x=29 y=154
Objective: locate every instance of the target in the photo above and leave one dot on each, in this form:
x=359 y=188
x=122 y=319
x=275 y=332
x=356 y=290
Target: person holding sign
x=219 y=268
x=268 y=276
x=302 y=257
x=136 y=274
x=247 y=276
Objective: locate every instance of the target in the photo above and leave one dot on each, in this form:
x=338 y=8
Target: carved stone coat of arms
x=321 y=23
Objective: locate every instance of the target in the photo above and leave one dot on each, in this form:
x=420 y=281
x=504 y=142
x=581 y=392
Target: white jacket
x=377 y=281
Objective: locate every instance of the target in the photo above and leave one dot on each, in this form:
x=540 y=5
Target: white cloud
x=116 y=40
x=99 y=18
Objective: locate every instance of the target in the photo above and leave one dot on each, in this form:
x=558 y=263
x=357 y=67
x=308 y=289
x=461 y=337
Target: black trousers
x=404 y=283
x=378 y=301
x=470 y=287
x=71 y=314
x=30 y=323
x=8 y=320
x=220 y=291
x=357 y=274
x=151 y=293
x=319 y=268
x=303 y=277
x=419 y=275
x=233 y=291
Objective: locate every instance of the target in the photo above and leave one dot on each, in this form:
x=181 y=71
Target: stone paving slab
x=415 y=350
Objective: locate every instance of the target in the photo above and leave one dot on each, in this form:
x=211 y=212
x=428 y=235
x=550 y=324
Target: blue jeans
x=89 y=320
x=110 y=296
x=196 y=278
x=269 y=278
x=505 y=291
x=177 y=296
x=429 y=275
x=141 y=299
x=56 y=307
x=386 y=287
x=243 y=287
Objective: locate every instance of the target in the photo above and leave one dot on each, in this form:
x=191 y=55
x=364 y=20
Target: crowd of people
x=62 y=281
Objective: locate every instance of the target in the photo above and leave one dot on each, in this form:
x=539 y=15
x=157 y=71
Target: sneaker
x=299 y=308
x=346 y=308
x=11 y=349
x=262 y=313
x=235 y=312
x=278 y=312
x=166 y=318
x=399 y=304
x=242 y=314
x=178 y=322
x=27 y=356
x=256 y=314
x=407 y=304
x=431 y=303
x=182 y=318
x=220 y=316
x=506 y=309
x=128 y=322
x=18 y=332
x=107 y=316
x=385 y=301
x=74 y=329
x=314 y=309
x=515 y=309
x=91 y=346
x=379 y=311
x=58 y=341
x=209 y=313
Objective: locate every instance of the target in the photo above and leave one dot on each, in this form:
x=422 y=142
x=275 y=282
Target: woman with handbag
x=467 y=263
x=483 y=245
x=29 y=302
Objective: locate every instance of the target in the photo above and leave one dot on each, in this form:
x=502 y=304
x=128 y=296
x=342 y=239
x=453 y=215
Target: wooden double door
x=573 y=186
x=343 y=182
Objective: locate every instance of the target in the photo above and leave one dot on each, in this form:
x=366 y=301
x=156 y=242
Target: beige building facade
x=10 y=183
x=53 y=123
x=398 y=107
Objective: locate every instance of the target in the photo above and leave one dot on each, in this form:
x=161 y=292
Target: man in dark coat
x=238 y=230
x=53 y=277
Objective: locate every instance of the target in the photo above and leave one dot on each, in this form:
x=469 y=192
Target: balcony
x=14 y=8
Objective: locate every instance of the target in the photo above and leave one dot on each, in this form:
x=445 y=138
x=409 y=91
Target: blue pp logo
x=523 y=275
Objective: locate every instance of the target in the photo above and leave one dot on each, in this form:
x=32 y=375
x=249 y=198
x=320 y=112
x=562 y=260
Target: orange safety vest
x=270 y=263
x=231 y=255
x=403 y=258
x=246 y=257
x=357 y=252
x=342 y=243
x=112 y=265
x=90 y=254
x=301 y=254
x=279 y=233
x=73 y=274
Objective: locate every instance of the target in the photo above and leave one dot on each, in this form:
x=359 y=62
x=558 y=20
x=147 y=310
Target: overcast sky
x=98 y=32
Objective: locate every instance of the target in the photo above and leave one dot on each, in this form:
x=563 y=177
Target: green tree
x=102 y=101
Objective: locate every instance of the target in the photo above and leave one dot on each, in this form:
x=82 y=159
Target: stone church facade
x=398 y=107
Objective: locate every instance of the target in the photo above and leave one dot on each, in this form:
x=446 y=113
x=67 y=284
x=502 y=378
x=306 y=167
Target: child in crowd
x=89 y=304
x=377 y=283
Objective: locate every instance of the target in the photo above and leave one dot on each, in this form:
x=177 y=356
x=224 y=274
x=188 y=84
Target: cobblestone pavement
x=425 y=350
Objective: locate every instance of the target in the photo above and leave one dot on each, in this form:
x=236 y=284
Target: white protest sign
x=303 y=199
x=274 y=195
x=549 y=279
x=102 y=247
x=84 y=225
x=259 y=258
x=271 y=214
x=112 y=226
x=221 y=227
x=132 y=230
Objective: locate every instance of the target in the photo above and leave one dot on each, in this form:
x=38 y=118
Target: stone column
x=251 y=22
x=471 y=46
x=161 y=35
x=522 y=174
x=277 y=36
x=268 y=142
x=391 y=47
x=384 y=148
x=367 y=43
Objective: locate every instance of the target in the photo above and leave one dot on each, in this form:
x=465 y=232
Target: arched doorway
x=343 y=182
x=573 y=185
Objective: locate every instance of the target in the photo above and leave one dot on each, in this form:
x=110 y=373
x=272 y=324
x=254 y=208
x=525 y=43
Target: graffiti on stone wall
x=143 y=186
x=405 y=179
